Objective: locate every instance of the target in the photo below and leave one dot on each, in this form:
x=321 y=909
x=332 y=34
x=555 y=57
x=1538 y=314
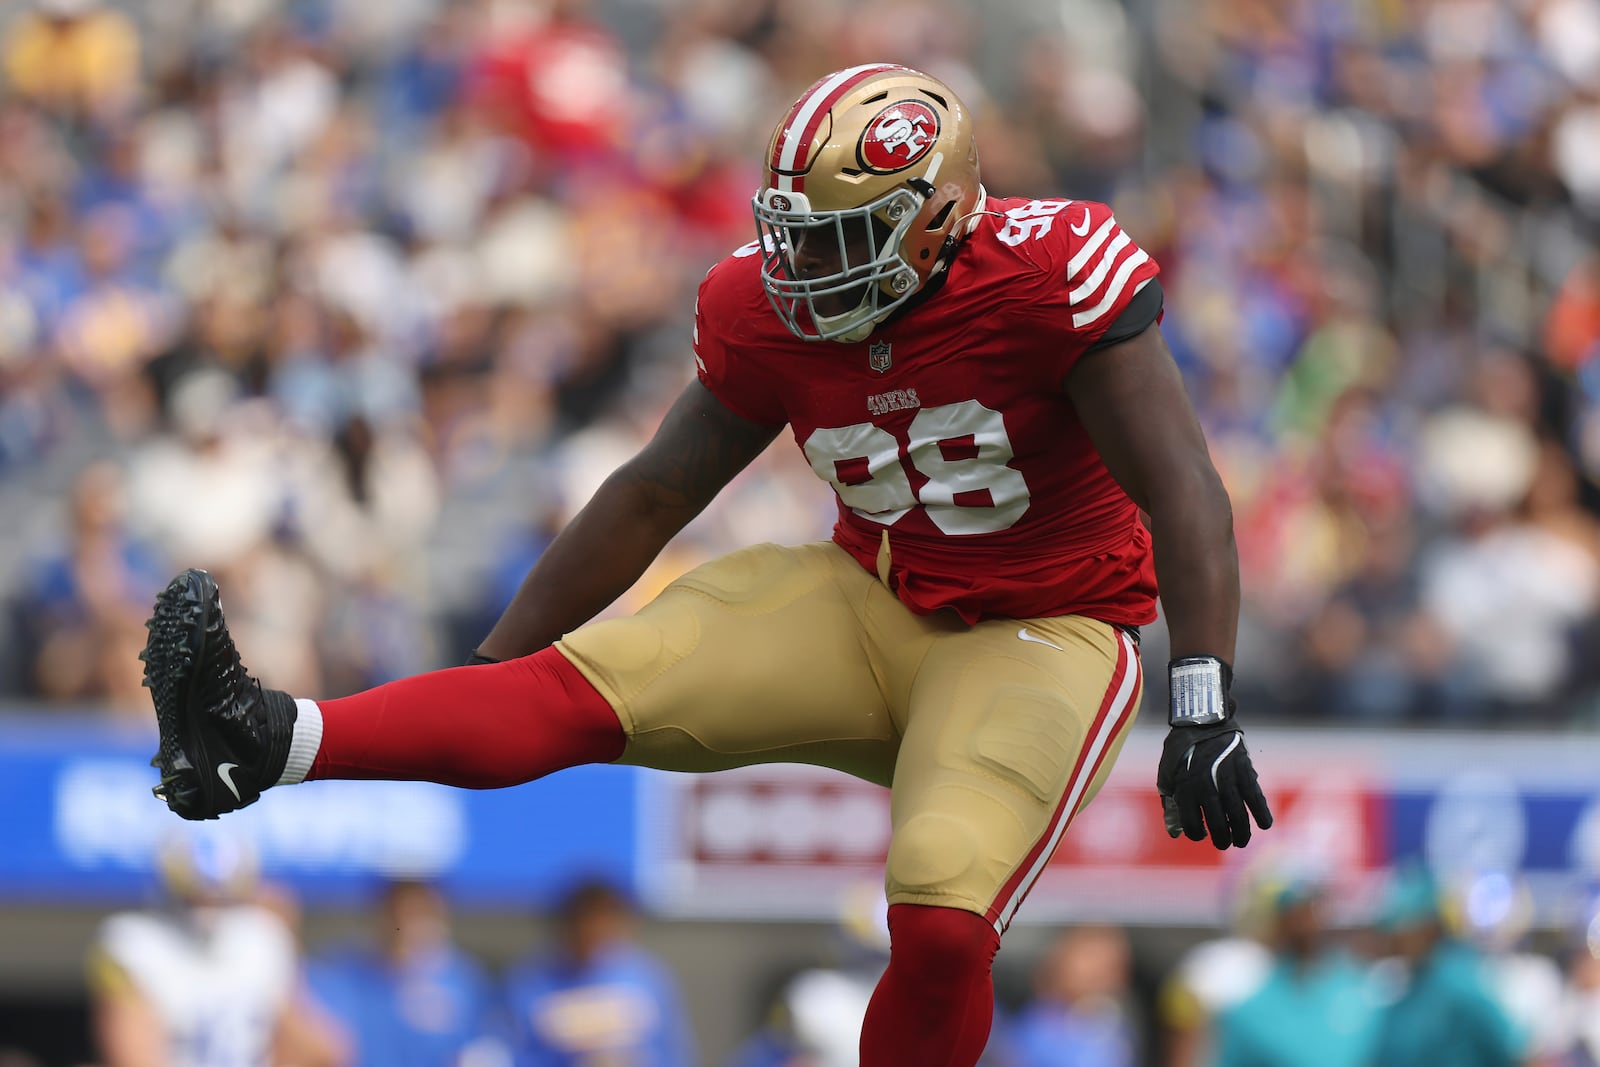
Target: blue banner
x=79 y=824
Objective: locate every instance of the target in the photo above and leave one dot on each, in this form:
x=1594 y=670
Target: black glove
x=1206 y=779
x=477 y=658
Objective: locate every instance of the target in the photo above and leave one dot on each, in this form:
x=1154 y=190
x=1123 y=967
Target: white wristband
x=1199 y=695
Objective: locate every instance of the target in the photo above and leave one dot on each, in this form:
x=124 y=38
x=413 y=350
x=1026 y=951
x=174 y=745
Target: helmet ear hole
x=941 y=217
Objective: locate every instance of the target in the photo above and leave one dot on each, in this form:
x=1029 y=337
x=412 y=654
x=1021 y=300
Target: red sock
x=481 y=727
x=934 y=1004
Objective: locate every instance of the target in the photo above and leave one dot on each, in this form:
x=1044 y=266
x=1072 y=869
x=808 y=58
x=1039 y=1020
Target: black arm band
x=1142 y=312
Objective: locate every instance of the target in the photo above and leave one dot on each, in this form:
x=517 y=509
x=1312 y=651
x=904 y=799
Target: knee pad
x=931 y=852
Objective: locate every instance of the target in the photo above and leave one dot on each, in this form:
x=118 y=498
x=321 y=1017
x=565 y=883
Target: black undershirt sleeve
x=1140 y=314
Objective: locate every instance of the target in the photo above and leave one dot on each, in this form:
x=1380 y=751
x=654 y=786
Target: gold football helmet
x=872 y=177
x=201 y=867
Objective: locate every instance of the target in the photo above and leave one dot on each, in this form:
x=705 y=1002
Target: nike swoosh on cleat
x=225 y=772
x=1085 y=229
x=1026 y=636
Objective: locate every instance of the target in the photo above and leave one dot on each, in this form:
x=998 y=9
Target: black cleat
x=223 y=737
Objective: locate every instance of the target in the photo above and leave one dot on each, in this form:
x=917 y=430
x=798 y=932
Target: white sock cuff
x=304 y=744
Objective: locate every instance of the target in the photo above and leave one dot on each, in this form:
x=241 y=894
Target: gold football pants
x=990 y=736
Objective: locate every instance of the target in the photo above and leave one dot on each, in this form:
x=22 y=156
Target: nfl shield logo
x=878 y=356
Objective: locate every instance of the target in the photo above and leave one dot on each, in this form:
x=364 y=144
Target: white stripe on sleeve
x=1089 y=246
x=1098 y=275
x=1118 y=282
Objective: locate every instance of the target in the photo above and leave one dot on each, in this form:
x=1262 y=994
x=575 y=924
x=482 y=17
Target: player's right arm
x=699 y=448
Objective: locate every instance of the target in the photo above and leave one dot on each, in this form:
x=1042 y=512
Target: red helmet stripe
x=800 y=125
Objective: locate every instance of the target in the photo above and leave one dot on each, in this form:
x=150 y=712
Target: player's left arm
x=1131 y=399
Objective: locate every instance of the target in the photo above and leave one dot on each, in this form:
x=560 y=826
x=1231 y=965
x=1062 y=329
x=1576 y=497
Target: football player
x=983 y=384
x=211 y=980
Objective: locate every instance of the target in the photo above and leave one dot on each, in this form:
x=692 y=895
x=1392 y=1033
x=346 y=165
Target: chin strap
x=859 y=333
x=971 y=217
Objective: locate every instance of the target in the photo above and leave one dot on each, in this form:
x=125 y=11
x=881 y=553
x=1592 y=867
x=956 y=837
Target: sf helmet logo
x=898 y=136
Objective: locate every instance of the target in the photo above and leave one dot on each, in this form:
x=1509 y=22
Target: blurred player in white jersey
x=209 y=980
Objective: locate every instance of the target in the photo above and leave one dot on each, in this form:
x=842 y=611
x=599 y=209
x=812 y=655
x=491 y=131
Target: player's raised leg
x=755 y=657
x=225 y=738
x=761 y=656
x=1011 y=729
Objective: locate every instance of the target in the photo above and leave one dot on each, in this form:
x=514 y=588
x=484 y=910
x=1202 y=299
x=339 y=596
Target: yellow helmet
x=877 y=166
x=200 y=866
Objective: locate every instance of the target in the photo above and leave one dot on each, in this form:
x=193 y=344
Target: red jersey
x=949 y=428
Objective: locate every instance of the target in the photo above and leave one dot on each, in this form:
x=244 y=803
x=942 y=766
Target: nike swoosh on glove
x=1206 y=782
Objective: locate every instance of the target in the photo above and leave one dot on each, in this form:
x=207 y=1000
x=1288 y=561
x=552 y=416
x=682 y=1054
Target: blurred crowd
x=355 y=303
x=217 y=975
x=1436 y=975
